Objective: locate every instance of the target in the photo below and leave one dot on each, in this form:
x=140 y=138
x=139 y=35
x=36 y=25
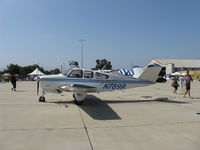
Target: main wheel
x=42 y=99
x=74 y=96
x=78 y=102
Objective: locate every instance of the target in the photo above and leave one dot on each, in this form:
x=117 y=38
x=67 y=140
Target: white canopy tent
x=6 y=75
x=36 y=72
x=184 y=74
x=176 y=74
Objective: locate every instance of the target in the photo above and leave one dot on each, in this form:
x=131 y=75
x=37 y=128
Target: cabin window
x=76 y=74
x=88 y=74
x=101 y=76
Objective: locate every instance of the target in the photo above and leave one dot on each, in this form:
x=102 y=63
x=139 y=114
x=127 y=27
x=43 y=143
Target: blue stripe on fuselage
x=96 y=81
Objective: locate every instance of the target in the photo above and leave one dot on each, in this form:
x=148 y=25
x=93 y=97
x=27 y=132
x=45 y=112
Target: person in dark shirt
x=13 y=81
x=175 y=85
x=188 y=80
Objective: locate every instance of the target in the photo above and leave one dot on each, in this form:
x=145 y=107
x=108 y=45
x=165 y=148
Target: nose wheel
x=42 y=99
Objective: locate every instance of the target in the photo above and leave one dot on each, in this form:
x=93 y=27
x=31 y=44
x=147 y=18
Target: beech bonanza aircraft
x=83 y=81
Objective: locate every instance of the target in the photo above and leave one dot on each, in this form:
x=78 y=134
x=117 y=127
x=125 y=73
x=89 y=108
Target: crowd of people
x=180 y=81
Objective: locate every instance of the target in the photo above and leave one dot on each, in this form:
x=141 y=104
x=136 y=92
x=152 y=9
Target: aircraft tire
x=78 y=102
x=42 y=99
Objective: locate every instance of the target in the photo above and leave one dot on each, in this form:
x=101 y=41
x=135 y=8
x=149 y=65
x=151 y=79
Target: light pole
x=82 y=40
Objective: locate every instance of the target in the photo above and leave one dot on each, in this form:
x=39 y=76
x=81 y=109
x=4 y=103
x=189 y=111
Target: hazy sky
x=125 y=32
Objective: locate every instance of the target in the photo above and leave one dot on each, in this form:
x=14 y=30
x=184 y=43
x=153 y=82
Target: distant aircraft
x=83 y=81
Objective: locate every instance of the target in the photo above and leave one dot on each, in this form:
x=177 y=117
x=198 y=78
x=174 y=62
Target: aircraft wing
x=79 y=88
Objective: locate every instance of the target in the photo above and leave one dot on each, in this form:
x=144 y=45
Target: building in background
x=174 y=65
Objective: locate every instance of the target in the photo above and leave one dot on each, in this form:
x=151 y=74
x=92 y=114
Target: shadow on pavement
x=166 y=100
x=100 y=110
x=170 y=101
x=20 y=91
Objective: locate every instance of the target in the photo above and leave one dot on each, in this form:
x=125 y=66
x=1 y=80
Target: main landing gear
x=79 y=97
x=77 y=102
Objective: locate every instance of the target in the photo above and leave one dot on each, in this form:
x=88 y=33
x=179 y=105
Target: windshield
x=75 y=74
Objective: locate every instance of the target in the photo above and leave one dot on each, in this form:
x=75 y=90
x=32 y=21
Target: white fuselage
x=82 y=81
x=53 y=83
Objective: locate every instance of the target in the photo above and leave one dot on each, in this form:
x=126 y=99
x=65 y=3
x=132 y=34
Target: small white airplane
x=83 y=81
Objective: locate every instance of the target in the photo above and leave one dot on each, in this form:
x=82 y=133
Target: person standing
x=13 y=81
x=175 y=85
x=181 y=82
x=188 y=80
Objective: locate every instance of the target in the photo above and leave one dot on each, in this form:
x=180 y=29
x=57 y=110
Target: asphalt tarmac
x=146 y=118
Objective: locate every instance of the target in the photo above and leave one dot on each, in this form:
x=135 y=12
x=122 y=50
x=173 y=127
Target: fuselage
x=101 y=81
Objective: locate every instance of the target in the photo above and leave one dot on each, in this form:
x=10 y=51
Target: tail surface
x=151 y=73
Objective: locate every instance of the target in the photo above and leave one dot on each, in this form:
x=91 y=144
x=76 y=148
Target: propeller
x=38 y=86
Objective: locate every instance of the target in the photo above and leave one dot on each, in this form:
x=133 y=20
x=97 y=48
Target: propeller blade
x=38 y=86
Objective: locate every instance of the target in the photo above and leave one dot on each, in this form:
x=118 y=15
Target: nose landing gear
x=42 y=98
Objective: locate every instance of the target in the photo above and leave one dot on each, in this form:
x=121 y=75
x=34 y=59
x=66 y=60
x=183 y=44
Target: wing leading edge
x=79 y=88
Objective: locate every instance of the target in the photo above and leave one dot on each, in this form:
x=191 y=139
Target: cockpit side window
x=76 y=74
x=101 y=76
x=88 y=74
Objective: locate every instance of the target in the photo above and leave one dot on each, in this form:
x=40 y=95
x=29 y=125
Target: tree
x=103 y=64
x=26 y=70
x=73 y=64
x=13 y=69
x=76 y=63
x=55 y=71
x=40 y=68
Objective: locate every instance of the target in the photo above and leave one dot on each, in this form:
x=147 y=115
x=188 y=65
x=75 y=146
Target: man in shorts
x=188 y=80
